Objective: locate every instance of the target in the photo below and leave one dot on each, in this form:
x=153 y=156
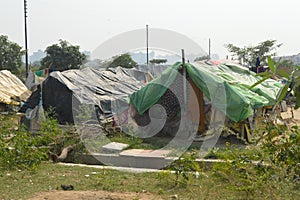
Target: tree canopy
x=10 y=54
x=248 y=55
x=158 y=61
x=63 y=56
x=205 y=57
x=123 y=60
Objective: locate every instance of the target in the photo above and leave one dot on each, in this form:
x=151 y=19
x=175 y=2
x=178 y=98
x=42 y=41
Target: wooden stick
x=184 y=78
x=201 y=110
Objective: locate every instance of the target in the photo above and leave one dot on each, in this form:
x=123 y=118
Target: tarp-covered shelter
x=32 y=81
x=12 y=89
x=226 y=86
x=139 y=75
x=62 y=90
x=154 y=70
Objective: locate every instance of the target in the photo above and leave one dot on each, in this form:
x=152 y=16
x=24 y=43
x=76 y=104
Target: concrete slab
x=114 y=160
x=141 y=158
x=114 y=147
x=146 y=153
x=132 y=159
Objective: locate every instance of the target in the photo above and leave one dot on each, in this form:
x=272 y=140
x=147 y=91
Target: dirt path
x=92 y=195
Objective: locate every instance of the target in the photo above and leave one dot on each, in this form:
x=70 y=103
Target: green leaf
x=297 y=99
x=260 y=81
x=271 y=64
x=283 y=73
x=282 y=92
x=296 y=74
x=263 y=74
x=296 y=84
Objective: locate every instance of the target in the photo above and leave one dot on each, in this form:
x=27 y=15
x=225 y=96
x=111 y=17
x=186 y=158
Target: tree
x=63 y=56
x=10 y=55
x=201 y=58
x=158 y=61
x=248 y=55
x=123 y=60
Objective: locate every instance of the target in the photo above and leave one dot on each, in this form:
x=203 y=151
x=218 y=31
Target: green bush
x=18 y=148
x=183 y=166
x=282 y=148
x=21 y=149
x=272 y=164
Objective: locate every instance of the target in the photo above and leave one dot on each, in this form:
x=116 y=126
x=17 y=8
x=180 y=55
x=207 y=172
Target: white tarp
x=12 y=90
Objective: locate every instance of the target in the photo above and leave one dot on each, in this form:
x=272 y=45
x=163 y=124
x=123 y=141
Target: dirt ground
x=92 y=195
x=105 y=195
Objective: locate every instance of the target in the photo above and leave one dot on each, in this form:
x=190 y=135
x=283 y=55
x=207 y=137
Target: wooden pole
x=26 y=48
x=209 y=47
x=184 y=78
x=201 y=128
x=147 y=43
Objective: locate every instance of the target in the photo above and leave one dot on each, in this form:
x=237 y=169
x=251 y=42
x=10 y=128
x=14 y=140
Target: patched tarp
x=12 y=89
x=228 y=87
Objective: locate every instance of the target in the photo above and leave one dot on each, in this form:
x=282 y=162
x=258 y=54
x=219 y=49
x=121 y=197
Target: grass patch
x=138 y=143
x=21 y=174
x=209 y=185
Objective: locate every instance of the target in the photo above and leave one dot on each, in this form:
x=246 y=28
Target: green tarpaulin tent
x=227 y=86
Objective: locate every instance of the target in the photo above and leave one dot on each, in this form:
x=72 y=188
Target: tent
x=227 y=87
x=145 y=77
x=66 y=91
x=12 y=89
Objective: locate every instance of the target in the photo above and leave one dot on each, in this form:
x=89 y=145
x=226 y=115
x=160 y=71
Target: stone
x=114 y=147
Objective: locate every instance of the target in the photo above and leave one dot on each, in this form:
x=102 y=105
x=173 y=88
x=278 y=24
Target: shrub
x=21 y=149
x=18 y=148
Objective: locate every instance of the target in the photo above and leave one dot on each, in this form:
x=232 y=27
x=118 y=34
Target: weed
x=18 y=148
x=21 y=149
x=272 y=164
x=183 y=166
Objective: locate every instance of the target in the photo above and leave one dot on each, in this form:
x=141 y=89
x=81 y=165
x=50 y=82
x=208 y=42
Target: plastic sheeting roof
x=90 y=86
x=12 y=89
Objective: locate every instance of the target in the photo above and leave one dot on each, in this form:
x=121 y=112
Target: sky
x=89 y=23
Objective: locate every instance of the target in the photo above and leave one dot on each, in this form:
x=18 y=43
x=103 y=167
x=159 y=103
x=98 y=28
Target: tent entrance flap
x=196 y=106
